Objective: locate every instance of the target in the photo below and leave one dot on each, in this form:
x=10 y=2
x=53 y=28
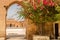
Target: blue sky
x=12 y=12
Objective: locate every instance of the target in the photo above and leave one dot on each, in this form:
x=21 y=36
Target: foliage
x=58 y=15
x=39 y=11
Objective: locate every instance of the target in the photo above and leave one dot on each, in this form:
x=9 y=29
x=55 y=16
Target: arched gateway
x=5 y=15
x=3 y=11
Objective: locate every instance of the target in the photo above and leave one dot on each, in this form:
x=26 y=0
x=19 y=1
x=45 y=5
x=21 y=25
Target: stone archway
x=3 y=4
x=12 y=14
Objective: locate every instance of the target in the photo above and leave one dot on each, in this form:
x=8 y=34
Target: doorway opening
x=13 y=20
x=56 y=30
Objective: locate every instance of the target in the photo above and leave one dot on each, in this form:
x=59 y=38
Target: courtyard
x=40 y=18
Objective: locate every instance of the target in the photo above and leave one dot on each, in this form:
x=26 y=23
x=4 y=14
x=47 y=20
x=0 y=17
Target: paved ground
x=16 y=38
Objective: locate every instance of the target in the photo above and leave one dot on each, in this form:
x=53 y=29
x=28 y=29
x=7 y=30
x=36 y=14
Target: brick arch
x=18 y=2
x=3 y=4
x=30 y=27
x=9 y=4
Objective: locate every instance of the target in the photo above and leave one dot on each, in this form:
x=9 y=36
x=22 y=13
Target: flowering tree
x=40 y=11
